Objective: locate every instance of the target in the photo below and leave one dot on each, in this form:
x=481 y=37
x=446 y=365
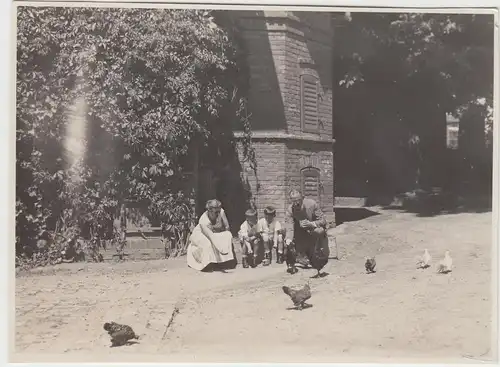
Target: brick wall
x=280 y=50
x=266 y=62
x=279 y=171
x=302 y=154
x=309 y=51
x=300 y=61
x=299 y=156
x=268 y=188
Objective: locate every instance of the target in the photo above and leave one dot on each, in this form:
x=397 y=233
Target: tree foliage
x=458 y=48
x=109 y=104
x=408 y=71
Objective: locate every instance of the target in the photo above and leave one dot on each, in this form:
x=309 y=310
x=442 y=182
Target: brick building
x=290 y=61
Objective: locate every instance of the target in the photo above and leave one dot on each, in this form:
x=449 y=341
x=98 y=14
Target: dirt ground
x=399 y=312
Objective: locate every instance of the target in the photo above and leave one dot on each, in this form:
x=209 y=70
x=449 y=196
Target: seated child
x=249 y=239
x=270 y=229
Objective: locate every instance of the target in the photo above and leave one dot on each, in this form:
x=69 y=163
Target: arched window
x=310 y=183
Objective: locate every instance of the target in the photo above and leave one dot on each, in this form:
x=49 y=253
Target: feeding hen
x=445 y=264
x=298 y=296
x=370 y=264
x=424 y=261
x=120 y=334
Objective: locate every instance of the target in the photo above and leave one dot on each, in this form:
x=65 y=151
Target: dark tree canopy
x=401 y=74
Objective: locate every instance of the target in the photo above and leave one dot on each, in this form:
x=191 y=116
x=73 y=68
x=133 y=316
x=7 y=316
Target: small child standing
x=249 y=239
x=270 y=229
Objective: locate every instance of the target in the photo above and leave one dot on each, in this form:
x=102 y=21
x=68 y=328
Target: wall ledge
x=283 y=136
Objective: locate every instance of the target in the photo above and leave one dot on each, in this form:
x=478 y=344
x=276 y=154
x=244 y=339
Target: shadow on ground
x=436 y=202
x=343 y=215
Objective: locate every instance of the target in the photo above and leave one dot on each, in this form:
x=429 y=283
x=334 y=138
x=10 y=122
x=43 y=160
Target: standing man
x=309 y=226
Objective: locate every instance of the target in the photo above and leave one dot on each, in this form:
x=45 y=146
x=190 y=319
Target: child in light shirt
x=249 y=239
x=272 y=235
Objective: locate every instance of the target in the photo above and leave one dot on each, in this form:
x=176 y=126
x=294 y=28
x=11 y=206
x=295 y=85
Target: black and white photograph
x=238 y=183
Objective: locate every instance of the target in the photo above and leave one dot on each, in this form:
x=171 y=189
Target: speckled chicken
x=298 y=296
x=120 y=334
x=370 y=264
x=291 y=257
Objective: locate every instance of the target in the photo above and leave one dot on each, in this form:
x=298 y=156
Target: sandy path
x=397 y=312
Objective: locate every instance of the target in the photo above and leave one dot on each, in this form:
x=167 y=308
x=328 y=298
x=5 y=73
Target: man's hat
x=251 y=213
x=269 y=210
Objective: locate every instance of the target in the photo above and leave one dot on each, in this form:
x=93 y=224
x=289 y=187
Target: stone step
x=349 y=202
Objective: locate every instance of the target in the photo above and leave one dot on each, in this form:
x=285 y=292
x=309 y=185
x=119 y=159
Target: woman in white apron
x=211 y=240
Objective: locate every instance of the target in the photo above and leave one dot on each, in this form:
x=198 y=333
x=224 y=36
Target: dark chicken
x=370 y=264
x=120 y=334
x=319 y=257
x=291 y=258
x=299 y=296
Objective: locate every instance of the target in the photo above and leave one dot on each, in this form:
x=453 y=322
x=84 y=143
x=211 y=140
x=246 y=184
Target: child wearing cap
x=270 y=229
x=249 y=238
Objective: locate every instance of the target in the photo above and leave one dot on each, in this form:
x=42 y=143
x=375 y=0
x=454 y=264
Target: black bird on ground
x=319 y=257
x=291 y=257
x=120 y=334
x=370 y=264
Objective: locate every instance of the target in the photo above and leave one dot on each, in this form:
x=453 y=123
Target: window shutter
x=309 y=103
x=310 y=183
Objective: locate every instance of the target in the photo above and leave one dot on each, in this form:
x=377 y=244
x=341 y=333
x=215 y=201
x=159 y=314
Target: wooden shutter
x=311 y=183
x=309 y=103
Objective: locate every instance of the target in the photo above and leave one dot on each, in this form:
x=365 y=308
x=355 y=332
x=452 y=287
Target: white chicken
x=424 y=261
x=445 y=264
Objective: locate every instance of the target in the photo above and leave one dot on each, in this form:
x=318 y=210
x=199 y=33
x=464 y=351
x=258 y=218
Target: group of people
x=211 y=248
